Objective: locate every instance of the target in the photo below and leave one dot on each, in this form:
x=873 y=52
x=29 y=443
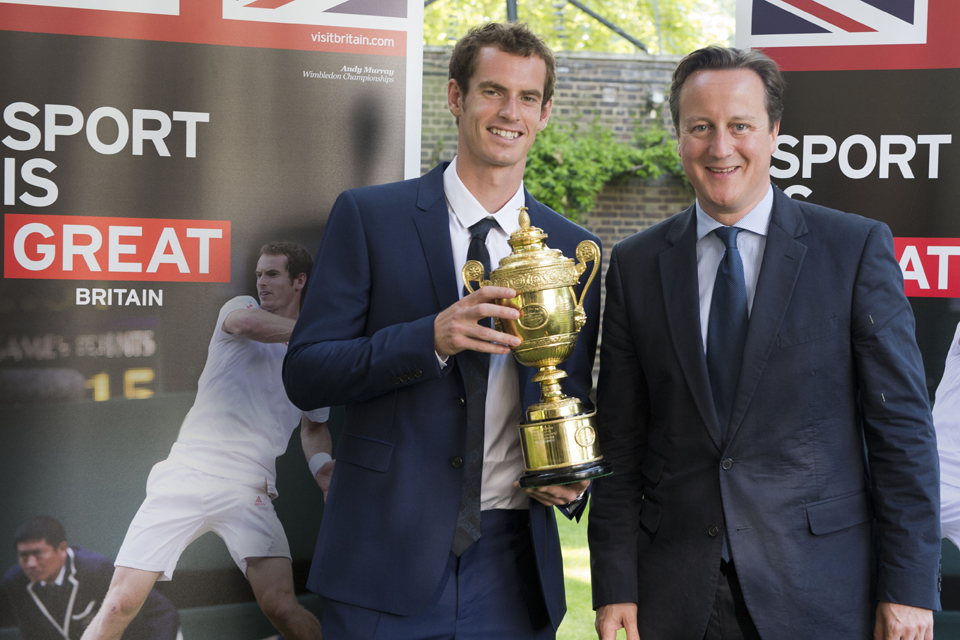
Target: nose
x=721 y=145
x=509 y=110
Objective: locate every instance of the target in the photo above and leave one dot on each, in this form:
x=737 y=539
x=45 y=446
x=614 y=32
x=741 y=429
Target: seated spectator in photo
x=57 y=588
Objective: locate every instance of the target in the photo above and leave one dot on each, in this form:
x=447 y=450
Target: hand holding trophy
x=559 y=438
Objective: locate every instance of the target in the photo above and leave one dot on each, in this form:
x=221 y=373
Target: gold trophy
x=559 y=440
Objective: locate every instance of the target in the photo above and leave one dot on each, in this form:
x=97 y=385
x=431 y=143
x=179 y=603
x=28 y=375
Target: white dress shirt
x=946 y=415
x=710 y=251
x=502 y=456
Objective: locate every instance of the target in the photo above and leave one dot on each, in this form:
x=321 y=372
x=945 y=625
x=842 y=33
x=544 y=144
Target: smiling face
x=725 y=141
x=500 y=113
x=277 y=291
x=40 y=560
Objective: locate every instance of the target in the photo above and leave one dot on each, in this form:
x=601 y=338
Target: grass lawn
x=578 y=623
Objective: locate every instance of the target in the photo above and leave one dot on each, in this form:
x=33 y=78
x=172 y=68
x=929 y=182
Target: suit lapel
x=433 y=225
x=782 y=259
x=681 y=297
x=71 y=577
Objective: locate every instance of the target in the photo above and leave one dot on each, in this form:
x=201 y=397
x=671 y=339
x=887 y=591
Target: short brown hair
x=722 y=58
x=299 y=259
x=515 y=38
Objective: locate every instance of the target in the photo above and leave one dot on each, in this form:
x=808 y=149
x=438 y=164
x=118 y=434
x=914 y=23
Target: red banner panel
x=202 y=22
x=50 y=247
x=931 y=266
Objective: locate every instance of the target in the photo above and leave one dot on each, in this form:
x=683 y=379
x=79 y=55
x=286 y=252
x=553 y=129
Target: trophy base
x=566 y=475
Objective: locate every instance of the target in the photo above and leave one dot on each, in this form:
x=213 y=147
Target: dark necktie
x=727 y=327
x=726 y=335
x=474 y=367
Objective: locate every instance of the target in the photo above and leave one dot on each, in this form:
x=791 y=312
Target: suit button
x=726 y=464
x=463 y=401
x=417 y=373
x=397 y=380
x=457 y=462
x=712 y=531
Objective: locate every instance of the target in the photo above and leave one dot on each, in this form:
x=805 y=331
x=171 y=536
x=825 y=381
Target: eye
x=740 y=127
x=699 y=128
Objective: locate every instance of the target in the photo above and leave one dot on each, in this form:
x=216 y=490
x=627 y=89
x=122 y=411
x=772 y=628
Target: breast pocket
x=365 y=452
x=808 y=333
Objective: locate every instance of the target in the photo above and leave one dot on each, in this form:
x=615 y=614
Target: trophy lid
x=527 y=238
x=530 y=253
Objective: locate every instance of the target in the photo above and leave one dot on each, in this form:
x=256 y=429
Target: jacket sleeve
x=333 y=357
x=622 y=412
x=898 y=429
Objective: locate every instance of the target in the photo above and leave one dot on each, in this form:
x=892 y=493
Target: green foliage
x=567 y=168
x=684 y=25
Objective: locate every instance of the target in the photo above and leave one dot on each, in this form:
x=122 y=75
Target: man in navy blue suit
x=762 y=400
x=425 y=531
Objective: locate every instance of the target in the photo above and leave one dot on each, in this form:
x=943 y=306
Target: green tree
x=684 y=25
x=568 y=165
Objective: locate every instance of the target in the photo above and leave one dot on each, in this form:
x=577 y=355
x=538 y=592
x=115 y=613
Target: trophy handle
x=587 y=251
x=473 y=272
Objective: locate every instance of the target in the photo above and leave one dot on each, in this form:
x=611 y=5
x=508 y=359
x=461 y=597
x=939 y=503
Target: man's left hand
x=557 y=495
x=903 y=622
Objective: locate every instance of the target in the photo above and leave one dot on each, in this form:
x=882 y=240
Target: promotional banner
x=149 y=149
x=869 y=127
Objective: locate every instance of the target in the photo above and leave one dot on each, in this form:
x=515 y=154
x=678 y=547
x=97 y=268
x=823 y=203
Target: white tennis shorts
x=182 y=504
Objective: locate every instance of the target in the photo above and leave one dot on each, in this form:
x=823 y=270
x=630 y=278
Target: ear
x=545 y=115
x=300 y=282
x=774 y=132
x=454 y=97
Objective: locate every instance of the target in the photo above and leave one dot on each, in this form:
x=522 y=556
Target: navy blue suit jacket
x=828 y=479
x=365 y=339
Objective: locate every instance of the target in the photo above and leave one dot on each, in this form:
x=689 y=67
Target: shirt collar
x=757 y=221
x=60 y=577
x=468 y=210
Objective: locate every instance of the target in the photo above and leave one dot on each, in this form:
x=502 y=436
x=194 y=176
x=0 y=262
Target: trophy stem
x=550 y=390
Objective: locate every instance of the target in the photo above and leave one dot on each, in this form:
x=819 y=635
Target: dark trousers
x=491 y=591
x=730 y=619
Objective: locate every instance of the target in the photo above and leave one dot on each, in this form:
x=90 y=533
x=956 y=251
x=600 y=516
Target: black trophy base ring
x=566 y=475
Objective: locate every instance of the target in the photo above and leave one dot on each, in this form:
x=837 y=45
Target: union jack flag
x=315 y=11
x=812 y=23
x=158 y=7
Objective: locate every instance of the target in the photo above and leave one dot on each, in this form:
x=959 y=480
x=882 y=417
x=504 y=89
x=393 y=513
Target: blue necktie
x=726 y=335
x=727 y=327
x=474 y=367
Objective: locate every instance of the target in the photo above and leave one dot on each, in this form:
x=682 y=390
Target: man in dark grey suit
x=762 y=400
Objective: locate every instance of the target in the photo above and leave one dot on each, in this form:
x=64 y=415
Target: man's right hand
x=323 y=477
x=612 y=617
x=456 y=328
